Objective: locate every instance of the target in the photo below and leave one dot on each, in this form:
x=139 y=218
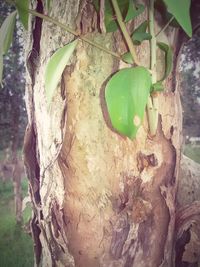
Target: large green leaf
x=22 y=8
x=6 y=32
x=168 y=58
x=55 y=68
x=180 y=9
x=126 y=95
x=140 y=34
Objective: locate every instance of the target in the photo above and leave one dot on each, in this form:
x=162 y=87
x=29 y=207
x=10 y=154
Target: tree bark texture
x=99 y=199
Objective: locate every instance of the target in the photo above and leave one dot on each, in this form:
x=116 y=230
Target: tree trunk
x=99 y=199
x=189 y=183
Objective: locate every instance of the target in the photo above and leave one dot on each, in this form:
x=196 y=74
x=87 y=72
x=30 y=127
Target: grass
x=16 y=247
x=192 y=152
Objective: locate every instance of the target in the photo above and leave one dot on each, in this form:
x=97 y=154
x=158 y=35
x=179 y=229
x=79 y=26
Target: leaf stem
x=152 y=104
x=125 y=31
x=64 y=27
x=165 y=27
x=152 y=41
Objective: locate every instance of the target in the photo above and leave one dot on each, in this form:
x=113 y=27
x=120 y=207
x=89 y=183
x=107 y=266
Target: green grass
x=192 y=152
x=16 y=247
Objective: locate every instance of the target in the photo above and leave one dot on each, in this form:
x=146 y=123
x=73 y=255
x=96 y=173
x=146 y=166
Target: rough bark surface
x=99 y=199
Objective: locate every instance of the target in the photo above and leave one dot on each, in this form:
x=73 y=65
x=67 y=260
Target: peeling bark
x=187 y=251
x=187 y=233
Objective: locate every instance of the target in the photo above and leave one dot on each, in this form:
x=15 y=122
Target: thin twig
x=152 y=104
x=165 y=27
x=54 y=21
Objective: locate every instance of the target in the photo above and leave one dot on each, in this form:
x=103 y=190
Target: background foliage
x=12 y=106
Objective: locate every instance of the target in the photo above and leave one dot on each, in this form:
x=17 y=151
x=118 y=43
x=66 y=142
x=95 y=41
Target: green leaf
x=180 y=9
x=109 y=14
x=22 y=8
x=168 y=58
x=127 y=57
x=157 y=87
x=6 y=36
x=110 y=23
x=140 y=34
x=134 y=10
x=6 y=32
x=1 y=69
x=55 y=68
x=126 y=95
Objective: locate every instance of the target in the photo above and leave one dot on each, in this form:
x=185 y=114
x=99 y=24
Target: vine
x=152 y=104
x=140 y=86
x=124 y=31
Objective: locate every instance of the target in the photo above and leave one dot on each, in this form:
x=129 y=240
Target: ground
x=192 y=152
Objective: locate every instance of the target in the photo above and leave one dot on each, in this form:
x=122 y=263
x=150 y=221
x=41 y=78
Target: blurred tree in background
x=13 y=114
x=190 y=70
x=12 y=106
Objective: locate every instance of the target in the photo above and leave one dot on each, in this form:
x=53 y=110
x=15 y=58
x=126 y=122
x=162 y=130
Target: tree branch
x=59 y=24
x=125 y=32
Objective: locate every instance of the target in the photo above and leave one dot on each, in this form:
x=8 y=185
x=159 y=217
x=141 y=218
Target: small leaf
x=110 y=23
x=109 y=14
x=110 y=20
x=127 y=57
x=157 y=87
x=126 y=95
x=168 y=59
x=22 y=8
x=138 y=37
x=140 y=34
x=180 y=9
x=6 y=32
x=55 y=68
x=134 y=10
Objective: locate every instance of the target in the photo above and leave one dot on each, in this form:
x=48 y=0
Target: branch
x=54 y=21
x=125 y=32
x=165 y=27
x=152 y=105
